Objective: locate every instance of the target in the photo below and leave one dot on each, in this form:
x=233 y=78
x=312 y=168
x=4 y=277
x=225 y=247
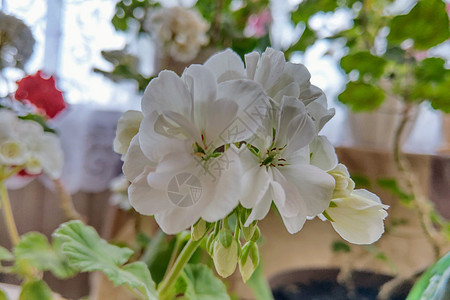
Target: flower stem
x=8 y=215
x=66 y=202
x=424 y=206
x=172 y=276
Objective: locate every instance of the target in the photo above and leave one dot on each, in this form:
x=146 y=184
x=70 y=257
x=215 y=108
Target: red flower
x=42 y=93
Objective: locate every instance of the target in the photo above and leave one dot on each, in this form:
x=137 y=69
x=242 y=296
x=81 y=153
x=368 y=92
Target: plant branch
x=424 y=205
x=172 y=276
x=67 y=203
x=8 y=215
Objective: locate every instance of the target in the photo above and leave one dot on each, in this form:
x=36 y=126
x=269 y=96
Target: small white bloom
x=12 y=152
x=127 y=128
x=344 y=184
x=119 y=192
x=358 y=218
x=180 y=31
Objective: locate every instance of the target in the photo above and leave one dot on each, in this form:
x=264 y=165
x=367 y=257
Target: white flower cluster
x=24 y=145
x=180 y=31
x=226 y=134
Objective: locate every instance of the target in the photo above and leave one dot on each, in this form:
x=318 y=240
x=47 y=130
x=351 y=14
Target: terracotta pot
x=376 y=130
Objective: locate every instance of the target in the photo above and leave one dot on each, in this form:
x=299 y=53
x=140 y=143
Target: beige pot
x=376 y=130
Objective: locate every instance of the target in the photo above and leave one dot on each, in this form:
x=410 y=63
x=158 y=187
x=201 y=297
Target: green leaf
x=38 y=119
x=339 y=246
x=364 y=63
x=200 y=283
x=35 y=290
x=5 y=254
x=36 y=251
x=431 y=69
x=259 y=285
x=360 y=96
x=87 y=251
x=361 y=181
x=3 y=295
x=427 y=24
x=432 y=284
x=392 y=186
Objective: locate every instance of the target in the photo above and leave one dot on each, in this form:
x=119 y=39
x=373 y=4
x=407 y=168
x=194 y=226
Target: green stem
x=8 y=215
x=172 y=276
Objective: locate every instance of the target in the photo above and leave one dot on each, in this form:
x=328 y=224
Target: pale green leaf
x=360 y=96
x=5 y=254
x=427 y=24
x=365 y=63
x=36 y=251
x=87 y=251
x=201 y=284
x=35 y=290
x=3 y=295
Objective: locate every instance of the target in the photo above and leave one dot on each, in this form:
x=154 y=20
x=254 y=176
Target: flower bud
x=249 y=231
x=225 y=253
x=249 y=260
x=199 y=229
x=344 y=184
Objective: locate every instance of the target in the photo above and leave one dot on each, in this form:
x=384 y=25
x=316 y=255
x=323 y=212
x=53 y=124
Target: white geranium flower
x=344 y=184
x=24 y=143
x=279 y=79
x=358 y=218
x=177 y=163
x=281 y=170
x=180 y=31
x=127 y=128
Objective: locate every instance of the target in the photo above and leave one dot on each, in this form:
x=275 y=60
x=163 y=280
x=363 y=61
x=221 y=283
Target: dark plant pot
x=322 y=284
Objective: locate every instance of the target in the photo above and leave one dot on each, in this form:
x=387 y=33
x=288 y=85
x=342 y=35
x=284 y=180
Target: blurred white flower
x=180 y=31
x=358 y=218
x=25 y=143
x=127 y=128
x=119 y=192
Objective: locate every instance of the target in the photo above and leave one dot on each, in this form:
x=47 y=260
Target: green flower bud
x=249 y=231
x=225 y=253
x=256 y=234
x=249 y=260
x=199 y=229
x=344 y=184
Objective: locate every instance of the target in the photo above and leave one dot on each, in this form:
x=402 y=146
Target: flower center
x=273 y=158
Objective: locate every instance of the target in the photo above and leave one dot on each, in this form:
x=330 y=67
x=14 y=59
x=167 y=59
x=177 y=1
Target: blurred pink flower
x=258 y=25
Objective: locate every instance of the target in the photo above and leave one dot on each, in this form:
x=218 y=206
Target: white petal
x=291 y=73
x=295 y=128
x=254 y=107
x=226 y=65
x=135 y=161
x=270 y=68
x=289 y=202
x=261 y=208
x=292 y=89
x=320 y=113
x=219 y=117
x=178 y=219
x=314 y=185
x=358 y=219
x=255 y=183
x=323 y=154
x=50 y=154
x=251 y=63
x=227 y=185
x=154 y=145
x=145 y=199
x=167 y=92
x=127 y=128
x=201 y=83
x=294 y=224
